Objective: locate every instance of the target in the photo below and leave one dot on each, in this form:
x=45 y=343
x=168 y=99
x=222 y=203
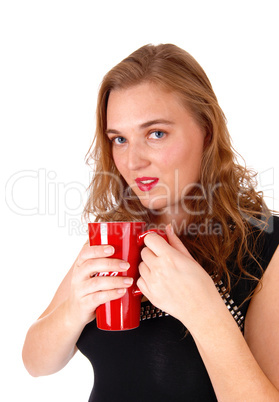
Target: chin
x=156 y=206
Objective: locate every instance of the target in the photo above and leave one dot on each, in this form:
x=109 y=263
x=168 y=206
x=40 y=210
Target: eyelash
x=113 y=140
x=158 y=131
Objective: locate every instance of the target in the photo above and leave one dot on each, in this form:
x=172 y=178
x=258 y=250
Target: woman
x=162 y=154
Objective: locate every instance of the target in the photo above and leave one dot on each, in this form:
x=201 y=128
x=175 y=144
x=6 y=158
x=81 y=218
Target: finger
x=142 y=285
x=100 y=283
x=143 y=269
x=144 y=278
x=155 y=243
x=175 y=242
x=98 y=265
x=105 y=296
x=148 y=256
x=89 y=252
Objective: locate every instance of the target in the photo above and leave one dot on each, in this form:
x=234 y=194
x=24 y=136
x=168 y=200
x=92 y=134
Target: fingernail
x=108 y=250
x=121 y=291
x=124 y=265
x=128 y=281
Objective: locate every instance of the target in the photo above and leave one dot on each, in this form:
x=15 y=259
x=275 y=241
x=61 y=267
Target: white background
x=53 y=57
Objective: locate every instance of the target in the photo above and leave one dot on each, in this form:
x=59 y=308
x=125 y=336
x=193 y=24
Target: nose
x=137 y=157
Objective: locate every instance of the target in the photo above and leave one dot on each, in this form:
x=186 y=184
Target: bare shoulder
x=262 y=321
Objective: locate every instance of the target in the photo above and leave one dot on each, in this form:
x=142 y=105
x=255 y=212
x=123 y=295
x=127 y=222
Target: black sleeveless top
x=157 y=362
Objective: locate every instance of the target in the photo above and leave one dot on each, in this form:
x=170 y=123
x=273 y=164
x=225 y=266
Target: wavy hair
x=226 y=193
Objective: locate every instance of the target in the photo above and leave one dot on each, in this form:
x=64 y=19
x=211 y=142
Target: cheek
x=117 y=162
x=171 y=156
x=186 y=159
x=121 y=166
x=177 y=156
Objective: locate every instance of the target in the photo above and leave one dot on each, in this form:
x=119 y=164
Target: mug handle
x=142 y=235
x=136 y=291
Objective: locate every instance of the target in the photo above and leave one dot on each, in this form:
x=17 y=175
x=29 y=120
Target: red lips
x=146 y=183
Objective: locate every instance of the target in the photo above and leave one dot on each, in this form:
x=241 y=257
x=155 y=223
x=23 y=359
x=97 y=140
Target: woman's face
x=157 y=147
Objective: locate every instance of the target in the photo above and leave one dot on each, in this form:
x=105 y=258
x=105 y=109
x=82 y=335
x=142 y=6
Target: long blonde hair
x=233 y=208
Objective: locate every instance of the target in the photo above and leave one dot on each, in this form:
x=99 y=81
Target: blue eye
x=119 y=140
x=157 y=134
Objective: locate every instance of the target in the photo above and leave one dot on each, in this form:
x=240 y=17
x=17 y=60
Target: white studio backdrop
x=53 y=56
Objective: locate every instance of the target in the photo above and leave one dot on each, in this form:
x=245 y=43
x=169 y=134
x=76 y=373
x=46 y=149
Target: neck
x=178 y=221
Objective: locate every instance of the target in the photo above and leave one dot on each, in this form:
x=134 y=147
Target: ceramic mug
x=127 y=240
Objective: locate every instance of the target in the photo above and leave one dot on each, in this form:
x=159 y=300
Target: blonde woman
x=210 y=311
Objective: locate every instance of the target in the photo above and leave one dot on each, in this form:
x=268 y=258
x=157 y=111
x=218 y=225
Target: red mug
x=127 y=240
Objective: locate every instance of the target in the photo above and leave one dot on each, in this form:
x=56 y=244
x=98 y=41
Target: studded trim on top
x=232 y=307
x=149 y=311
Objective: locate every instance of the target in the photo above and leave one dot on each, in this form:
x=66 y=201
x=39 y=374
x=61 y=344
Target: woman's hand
x=89 y=291
x=172 y=280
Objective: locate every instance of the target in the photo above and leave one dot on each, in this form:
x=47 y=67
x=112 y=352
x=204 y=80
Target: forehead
x=144 y=101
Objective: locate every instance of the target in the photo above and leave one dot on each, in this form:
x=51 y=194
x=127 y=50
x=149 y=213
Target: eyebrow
x=145 y=125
